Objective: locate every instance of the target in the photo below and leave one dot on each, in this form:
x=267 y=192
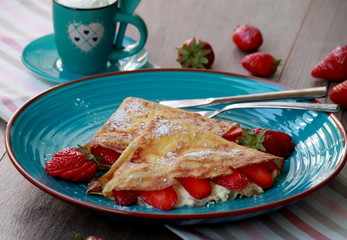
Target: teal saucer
x=41 y=57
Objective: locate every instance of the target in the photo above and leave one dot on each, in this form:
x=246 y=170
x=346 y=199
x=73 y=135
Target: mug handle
x=137 y=47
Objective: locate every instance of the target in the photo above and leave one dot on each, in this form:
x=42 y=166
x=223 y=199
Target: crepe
x=173 y=148
x=133 y=116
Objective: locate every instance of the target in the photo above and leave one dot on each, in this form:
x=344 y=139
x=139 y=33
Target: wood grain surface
x=300 y=32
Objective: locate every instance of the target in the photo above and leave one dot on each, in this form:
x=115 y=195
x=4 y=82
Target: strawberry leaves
x=89 y=156
x=195 y=53
x=252 y=140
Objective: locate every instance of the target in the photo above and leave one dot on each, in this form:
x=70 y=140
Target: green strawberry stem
x=193 y=56
x=276 y=63
x=252 y=140
x=90 y=156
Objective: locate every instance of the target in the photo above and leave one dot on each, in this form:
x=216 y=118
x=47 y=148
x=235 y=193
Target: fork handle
x=293 y=105
x=297 y=93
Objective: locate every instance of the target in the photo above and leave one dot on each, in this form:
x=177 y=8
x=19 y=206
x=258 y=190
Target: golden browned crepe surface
x=133 y=116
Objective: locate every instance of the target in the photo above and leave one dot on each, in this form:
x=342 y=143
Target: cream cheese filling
x=218 y=194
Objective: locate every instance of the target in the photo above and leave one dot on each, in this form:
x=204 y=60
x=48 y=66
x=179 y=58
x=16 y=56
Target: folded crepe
x=133 y=116
x=174 y=148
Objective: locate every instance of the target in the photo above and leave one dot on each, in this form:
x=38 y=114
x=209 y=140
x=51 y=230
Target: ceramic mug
x=85 y=36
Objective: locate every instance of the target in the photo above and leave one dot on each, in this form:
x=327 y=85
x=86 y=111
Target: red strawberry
x=270 y=166
x=258 y=174
x=273 y=142
x=125 y=197
x=75 y=164
x=86 y=173
x=232 y=134
x=338 y=94
x=234 y=181
x=195 y=53
x=260 y=64
x=334 y=66
x=247 y=38
x=277 y=143
x=164 y=199
x=107 y=156
x=197 y=188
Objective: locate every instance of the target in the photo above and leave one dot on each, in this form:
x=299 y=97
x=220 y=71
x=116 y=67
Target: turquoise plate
x=69 y=114
x=41 y=57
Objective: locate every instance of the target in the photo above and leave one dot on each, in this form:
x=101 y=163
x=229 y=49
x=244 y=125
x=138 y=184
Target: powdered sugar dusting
x=161 y=130
x=137 y=108
x=166 y=127
x=201 y=153
x=121 y=119
x=208 y=152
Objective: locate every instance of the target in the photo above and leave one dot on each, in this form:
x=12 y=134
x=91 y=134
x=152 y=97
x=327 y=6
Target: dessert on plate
x=168 y=158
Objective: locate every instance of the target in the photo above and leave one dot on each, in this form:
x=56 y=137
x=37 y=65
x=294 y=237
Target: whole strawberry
x=247 y=38
x=269 y=141
x=75 y=164
x=195 y=53
x=260 y=64
x=334 y=66
x=338 y=94
x=276 y=143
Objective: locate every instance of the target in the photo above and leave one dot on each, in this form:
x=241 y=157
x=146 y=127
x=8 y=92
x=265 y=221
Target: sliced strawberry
x=59 y=163
x=69 y=174
x=75 y=164
x=232 y=134
x=71 y=151
x=198 y=188
x=164 y=199
x=87 y=173
x=125 y=197
x=234 y=181
x=258 y=174
x=107 y=156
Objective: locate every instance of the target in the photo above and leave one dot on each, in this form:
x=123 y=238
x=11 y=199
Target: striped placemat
x=321 y=215
x=21 y=23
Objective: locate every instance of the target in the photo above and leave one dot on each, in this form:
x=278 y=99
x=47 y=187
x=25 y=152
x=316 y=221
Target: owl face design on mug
x=86 y=37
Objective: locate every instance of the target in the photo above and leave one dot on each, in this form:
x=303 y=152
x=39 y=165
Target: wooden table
x=300 y=32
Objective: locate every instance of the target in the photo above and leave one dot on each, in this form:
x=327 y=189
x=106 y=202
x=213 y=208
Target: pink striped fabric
x=322 y=215
x=17 y=83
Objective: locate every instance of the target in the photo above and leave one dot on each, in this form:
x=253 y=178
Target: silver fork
x=324 y=107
